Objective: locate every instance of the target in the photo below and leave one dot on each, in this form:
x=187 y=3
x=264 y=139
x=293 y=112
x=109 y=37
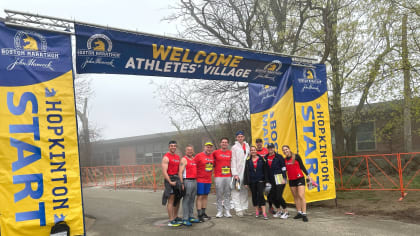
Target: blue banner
x=101 y=50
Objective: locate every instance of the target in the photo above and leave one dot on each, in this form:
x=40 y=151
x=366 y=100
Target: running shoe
x=265 y=217
x=240 y=213
x=304 y=218
x=272 y=211
x=205 y=216
x=201 y=218
x=257 y=214
x=298 y=216
x=284 y=215
x=278 y=214
x=219 y=214
x=193 y=220
x=173 y=223
x=179 y=220
x=186 y=223
x=227 y=214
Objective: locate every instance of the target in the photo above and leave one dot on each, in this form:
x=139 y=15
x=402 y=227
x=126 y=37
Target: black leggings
x=276 y=195
x=257 y=190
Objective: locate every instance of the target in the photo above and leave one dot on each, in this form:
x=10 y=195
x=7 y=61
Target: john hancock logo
x=99 y=51
x=31 y=50
x=270 y=71
x=267 y=92
x=309 y=80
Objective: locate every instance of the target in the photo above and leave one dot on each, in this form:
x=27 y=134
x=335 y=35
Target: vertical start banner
x=295 y=113
x=313 y=129
x=39 y=159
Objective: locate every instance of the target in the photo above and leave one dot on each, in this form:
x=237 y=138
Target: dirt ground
x=383 y=204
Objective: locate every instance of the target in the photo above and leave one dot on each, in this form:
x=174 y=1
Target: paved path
x=136 y=212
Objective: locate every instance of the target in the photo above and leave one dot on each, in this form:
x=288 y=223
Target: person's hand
x=283 y=182
x=183 y=187
x=236 y=177
x=172 y=183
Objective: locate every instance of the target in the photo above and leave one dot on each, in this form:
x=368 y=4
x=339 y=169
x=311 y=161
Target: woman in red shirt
x=295 y=170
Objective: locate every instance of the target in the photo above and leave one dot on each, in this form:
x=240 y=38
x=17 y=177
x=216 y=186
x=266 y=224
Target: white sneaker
x=219 y=214
x=278 y=214
x=284 y=215
x=227 y=214
x=240 y=213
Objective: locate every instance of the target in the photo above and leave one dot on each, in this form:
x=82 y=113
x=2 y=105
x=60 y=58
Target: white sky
x=122 y=105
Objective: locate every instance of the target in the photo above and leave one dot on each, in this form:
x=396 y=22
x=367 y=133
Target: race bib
x=209 y=167
x=225 y=170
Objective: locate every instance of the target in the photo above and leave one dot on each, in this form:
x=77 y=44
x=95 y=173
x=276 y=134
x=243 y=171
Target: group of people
x=256 y=168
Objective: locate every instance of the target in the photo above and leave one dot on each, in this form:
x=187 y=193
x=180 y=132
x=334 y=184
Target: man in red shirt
x=204 y=161
x=262 y=151
x=188 y=177
x=170 y=168
x=222 y=177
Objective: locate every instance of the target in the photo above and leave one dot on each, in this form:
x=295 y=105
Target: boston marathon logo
x=28 y=48
x=99 y=51
x=309 y=80
x=270 y=71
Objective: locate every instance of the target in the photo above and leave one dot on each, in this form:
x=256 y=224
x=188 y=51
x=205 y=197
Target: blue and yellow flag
x=295 y=113
x=313 y=129
x=39 y=159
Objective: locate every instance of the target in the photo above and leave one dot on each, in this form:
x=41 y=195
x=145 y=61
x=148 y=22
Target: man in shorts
x=170 y=168
x=204 y=161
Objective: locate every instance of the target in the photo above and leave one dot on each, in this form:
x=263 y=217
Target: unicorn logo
x=99 y=45
x=31 y=43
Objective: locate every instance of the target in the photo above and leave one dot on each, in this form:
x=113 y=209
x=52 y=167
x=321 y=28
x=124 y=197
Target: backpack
x=60 y=229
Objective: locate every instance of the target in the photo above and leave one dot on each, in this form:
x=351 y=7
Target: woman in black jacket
x=278 y=178
x=256 y=177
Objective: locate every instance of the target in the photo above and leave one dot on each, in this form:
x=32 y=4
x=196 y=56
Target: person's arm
x=233 y=164
x=301 y=165
x=265 y=170
x=245 y=180
x=165 y=163
x=283 y=168
x=182 y=165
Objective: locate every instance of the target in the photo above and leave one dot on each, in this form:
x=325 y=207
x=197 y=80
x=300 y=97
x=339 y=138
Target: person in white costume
x=240 y=152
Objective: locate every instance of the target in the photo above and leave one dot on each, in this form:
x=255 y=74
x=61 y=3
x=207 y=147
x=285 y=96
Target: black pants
x=276 y=195
x=257 y=190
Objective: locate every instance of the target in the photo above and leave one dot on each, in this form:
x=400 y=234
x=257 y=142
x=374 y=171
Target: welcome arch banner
x=288 y=103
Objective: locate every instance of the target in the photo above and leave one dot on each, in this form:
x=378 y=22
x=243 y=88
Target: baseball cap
x=208 y=144
x=240 y=133
x=271 y=145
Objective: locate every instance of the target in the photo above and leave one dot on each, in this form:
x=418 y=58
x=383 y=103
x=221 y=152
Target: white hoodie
x=239 y=159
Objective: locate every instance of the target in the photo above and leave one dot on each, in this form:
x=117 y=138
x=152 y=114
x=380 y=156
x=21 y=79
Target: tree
x=87 y=131
x=356 y=39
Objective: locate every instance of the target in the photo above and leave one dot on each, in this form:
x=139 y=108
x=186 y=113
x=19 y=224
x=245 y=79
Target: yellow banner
x=39 y=162
x=276 y=125
x=314 y=139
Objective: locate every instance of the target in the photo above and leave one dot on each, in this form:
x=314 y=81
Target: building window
x=365 y=136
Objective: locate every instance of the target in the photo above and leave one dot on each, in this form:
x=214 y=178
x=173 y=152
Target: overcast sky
x=122 y=105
